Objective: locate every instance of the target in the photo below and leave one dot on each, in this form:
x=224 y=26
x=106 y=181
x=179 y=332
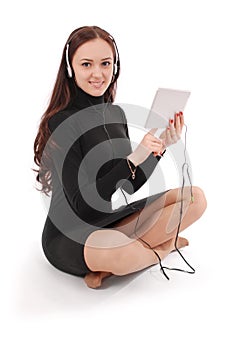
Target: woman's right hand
x=149 y=144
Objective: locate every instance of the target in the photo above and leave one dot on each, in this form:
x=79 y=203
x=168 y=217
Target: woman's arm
x=143 y=171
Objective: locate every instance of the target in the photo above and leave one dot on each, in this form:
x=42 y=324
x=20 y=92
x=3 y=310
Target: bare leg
x=158 y=224
x=112 y=251
x=158 y=221
x=94 y=279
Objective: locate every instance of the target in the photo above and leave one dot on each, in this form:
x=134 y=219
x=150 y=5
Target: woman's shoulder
x=57 y=118
x=118 y=110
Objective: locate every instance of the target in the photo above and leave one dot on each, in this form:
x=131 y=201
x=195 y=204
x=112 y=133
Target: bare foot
x=169 y=246
x=182 y=242
x=94 y=279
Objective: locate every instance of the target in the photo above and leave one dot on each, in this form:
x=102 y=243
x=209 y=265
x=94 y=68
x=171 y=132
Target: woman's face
x=93 y=66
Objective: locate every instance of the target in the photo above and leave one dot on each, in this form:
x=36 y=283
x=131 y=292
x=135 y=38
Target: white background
x=176 y=44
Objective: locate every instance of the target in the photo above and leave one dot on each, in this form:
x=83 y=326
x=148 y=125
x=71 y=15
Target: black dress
x=88 y=146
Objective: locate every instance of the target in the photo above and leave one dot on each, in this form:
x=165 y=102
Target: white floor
x=142 y=310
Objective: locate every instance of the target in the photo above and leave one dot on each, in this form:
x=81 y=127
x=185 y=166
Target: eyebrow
x=88 y=59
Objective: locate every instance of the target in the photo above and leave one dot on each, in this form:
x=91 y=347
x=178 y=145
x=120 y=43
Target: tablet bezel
x=165 y=104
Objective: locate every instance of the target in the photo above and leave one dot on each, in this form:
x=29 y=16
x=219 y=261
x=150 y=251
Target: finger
x=171 y=123
x=152 y=131
x=173 y=133
x=157 y=149
x=163 y=138
x=178 y=124
x=162 y=135
x=164 y=141
x=153 y=138
x=157 y=142
x=182 y=121
x=168 y=136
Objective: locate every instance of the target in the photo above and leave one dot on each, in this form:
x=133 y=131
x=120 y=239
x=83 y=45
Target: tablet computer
x=165 y=104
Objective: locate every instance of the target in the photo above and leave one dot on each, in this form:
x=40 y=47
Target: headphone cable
x=185 y=164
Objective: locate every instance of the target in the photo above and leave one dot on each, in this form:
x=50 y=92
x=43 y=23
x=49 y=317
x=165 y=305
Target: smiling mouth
x=96 y=84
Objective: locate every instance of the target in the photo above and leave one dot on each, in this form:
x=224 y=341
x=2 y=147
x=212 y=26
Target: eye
x=85 y=64
x=106 y=63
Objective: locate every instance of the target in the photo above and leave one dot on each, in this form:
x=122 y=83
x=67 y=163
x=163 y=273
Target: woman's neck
x=82 y=99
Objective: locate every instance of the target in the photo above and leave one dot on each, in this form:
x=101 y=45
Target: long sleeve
x=144 y=170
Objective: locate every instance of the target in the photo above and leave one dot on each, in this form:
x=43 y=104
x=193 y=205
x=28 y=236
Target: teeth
x=96 y=84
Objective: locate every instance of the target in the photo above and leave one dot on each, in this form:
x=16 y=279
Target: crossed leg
x=157 y=225
x=124 y=260
x=158 y=222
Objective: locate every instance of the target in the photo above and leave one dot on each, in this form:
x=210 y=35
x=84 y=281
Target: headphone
x=69 y=69
x=116 y=64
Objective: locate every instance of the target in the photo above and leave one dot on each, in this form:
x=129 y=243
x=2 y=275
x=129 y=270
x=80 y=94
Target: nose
x=97 y=71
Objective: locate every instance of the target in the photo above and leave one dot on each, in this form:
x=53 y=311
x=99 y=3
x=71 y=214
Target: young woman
x=84 y=155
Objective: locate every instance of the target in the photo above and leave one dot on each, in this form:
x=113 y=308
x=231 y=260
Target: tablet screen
x=165 y=104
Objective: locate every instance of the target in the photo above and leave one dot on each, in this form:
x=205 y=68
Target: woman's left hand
x=173 y=132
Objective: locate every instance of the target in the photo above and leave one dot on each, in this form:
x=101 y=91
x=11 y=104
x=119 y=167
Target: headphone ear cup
x=115 y=69
x=69 y=71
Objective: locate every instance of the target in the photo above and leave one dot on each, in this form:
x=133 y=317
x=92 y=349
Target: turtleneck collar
x=83 y=100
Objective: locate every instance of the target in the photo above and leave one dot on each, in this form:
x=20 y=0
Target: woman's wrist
x=132 y=159
x=160 y=154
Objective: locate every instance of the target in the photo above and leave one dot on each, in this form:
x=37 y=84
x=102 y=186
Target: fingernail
x=172 y=121
x=181 y=113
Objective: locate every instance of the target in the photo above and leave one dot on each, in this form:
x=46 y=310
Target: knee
x=200 y=202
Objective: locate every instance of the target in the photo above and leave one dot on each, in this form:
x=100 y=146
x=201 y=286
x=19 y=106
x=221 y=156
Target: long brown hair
x=63 y=91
